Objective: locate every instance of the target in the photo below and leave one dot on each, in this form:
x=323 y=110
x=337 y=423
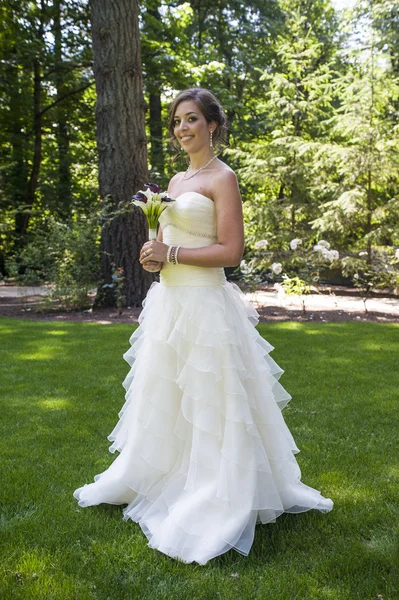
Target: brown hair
x=212 y=111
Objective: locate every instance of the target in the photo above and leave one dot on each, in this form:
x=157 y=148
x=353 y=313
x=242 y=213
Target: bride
x=204 y=451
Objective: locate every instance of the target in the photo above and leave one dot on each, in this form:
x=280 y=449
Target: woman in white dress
x=204 y=451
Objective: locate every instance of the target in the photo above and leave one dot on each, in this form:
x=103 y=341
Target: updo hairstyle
x=212 y=110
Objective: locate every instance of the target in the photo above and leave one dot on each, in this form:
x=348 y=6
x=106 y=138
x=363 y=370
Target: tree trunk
x=19 y=169
x=121 y=143
x=22 y=218
x=157 y=154
x=369 y=214
x=154 y=86
x=64 y=194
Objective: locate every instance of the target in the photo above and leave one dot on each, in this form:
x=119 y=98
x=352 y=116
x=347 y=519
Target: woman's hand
x=153 y=251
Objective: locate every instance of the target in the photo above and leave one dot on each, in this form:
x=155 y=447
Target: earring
x=211 y=143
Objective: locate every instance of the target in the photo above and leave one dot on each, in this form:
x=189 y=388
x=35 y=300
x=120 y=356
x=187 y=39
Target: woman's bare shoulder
x=224 y=175
x=177 y=176
x=222 y=169
x=175 y=179
x=225 y=186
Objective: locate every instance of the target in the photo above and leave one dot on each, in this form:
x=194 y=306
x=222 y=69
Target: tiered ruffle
x=205 y=453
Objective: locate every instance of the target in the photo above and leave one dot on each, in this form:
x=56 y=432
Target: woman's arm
x=229 y=248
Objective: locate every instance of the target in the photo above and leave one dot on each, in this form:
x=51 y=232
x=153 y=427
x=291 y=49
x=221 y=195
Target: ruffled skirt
x=205 y=453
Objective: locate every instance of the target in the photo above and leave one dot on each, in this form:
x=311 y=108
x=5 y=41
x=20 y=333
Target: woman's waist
x=180 y=275
x=174 y=233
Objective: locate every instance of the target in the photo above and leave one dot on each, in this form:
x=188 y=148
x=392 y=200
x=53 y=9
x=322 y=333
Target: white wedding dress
x=205 y=453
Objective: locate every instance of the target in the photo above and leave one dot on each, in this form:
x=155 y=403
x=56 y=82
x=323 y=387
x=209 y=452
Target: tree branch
x=71 y=93
x=67 y=65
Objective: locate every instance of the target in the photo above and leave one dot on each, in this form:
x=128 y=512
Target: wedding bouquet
x=153 y=202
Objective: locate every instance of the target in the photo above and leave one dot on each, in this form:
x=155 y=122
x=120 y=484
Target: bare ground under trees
x=333 y=304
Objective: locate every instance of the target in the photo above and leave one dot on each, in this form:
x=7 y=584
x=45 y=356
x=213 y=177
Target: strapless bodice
x=190 y=222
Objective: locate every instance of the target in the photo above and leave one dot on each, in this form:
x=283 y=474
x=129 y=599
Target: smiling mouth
x=186 y=138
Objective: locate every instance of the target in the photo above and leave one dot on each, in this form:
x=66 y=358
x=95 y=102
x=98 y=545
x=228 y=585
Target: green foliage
x=366 y=157
x=330 y=164
x=297 y=105
x=375 y=271
x=47 y=124
x=66 y=256
x=312 y=99
x=118 y=283
x=295 y=286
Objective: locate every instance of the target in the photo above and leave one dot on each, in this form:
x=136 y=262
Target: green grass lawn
x=60 y=394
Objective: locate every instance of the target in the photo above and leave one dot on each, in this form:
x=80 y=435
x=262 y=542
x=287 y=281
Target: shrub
x=66 y=256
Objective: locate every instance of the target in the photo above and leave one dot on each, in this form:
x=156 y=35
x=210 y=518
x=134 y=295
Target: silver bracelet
x=177 y=252
x=168 y=253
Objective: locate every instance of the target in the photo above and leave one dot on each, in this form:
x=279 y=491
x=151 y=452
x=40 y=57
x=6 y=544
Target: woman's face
x=190 y=127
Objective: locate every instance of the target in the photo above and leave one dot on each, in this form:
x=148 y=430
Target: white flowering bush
x=298 y=269
x=277 y=268
x=261 y=244
x=295 y=243
x=303 y=275
x=324 y=248
x=251 y=278
x=373 y=269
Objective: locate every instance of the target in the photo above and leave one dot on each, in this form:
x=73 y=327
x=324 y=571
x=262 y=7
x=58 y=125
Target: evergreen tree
x=365 y=151
x=296 y=109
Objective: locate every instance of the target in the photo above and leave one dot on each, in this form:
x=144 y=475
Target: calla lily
x=155 y=189
x=152 y=202
x=139 y=196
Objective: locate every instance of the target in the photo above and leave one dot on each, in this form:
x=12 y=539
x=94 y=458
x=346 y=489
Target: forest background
x=312 y=99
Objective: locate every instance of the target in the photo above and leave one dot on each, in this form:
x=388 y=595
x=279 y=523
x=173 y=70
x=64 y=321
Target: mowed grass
x=60 y=395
